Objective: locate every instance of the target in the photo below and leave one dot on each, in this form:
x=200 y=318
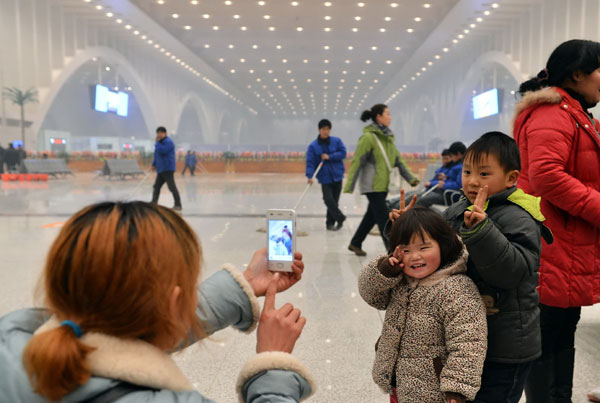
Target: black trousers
x=377 y=213
x=331 y=197
x=502 y=383
x=161 y=178
x=190 y=167
x=551 y=379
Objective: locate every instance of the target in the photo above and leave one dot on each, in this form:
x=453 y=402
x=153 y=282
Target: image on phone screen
x=280 y=240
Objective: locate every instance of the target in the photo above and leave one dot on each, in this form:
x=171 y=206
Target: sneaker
x=594 y=395
x=177 y=208
x=357 y=251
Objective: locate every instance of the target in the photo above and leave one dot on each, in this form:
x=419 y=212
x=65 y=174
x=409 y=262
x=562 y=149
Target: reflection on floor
x=226 y=210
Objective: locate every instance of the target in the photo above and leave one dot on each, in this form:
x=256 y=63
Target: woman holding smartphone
x=370 y=169
x=117 y=307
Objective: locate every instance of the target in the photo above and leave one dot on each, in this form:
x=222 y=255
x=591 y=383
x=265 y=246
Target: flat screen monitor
x=485 y=104
x=106 y=100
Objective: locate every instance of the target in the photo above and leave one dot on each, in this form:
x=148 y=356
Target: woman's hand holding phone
x=259 y=276
x=278 y=329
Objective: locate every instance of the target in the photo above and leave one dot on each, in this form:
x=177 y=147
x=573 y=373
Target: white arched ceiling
x=109 y=56
x=206 y=120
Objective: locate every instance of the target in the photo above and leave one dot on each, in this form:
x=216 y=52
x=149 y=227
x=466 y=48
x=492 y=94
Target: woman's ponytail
x=55 y=361
x=536 y=83
x=366 y=115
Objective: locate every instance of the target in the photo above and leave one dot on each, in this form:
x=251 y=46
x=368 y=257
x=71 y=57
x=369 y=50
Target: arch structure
x=142 y=93
x=205 y=117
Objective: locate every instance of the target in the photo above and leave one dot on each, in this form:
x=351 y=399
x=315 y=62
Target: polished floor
x=226 y=210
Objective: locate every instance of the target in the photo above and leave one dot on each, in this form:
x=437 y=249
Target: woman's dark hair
x=373 y=112
x=421 y=220
x=566 y=59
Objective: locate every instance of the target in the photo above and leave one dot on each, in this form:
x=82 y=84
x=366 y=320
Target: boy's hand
x=394 y=214
x=477 y=215
x=396 y=258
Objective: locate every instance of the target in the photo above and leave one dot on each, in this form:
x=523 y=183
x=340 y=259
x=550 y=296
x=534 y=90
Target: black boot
x=540 y=380
x=564 y=363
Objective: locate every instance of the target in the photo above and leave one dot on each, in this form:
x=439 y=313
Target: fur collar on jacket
x=548 y=95
x=134 y=361
x=456 y=267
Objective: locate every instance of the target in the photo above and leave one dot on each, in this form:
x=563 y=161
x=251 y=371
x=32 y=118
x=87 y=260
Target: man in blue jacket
x=164 y=162
x=332 y=152
x=452 y=180
x=190 y=162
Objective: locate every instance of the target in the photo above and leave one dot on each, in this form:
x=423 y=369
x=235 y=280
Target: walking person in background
x=332 y=152
x=2 y=154
x=164 y=162
x=190 y=162
x=11 y=157
x=370 y=169
x=560 y=149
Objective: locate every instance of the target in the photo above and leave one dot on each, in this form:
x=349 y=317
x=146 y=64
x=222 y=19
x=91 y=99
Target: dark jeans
x=190 y=167
x=161 y=178
x=377 y=213
x=551 y=379
x=435 y=197
x=331 y=197
x=502 y=383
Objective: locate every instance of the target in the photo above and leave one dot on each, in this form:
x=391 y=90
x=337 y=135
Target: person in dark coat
x=164 y=163
x=11 y=158
x=2 y=153
x=332 y=152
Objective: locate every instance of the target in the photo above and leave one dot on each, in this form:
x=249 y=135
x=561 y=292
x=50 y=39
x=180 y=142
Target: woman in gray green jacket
x=371 y=171
x=121 y=293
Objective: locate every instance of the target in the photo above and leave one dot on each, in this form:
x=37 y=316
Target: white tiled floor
x=225 y=211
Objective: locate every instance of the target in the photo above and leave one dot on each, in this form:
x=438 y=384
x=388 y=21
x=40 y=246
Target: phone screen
x=281 y=240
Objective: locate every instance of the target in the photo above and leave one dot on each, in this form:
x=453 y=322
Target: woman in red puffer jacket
x=560 y=153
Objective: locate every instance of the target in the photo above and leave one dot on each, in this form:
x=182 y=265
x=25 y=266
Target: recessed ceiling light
x=388 y=18
x=361 y=4
x=495 y=5
x=230 y=46
x=232 y=71
x=263 y=60
x=119 y=21
x=207 y=46
x=206 y=16
x=479 y=19
x=266 y=17
x=254 y=46
x=236 y=16
x=175 y=16
x=327 y=29
x=305 y=61
x=426 y=5
x=454 y=40
x=473 y=26
x=326 y=47
x=394 y=5
x=99 y=7
x=486 y=12
x=228 y=3
x=127 y=26
x=187 y=27
x=347 y=61
x=221 y=60
x=327 y=17
x=373 y=47
x=109 y=15
x=271 y=28
x=278 y=46
x=194 y=2
x=437 y=56
x=418 y=19
x=381 y=29
x=327 y=4
x=299 y=29
x=261 y=3
x=410 y=30
x=354 y=29
x=294 y=3
x=216 y=28
x=368 y=61
x=243 y=28
x=143 y=37
x=460 y=36
x=445 y=49
x=388 y=62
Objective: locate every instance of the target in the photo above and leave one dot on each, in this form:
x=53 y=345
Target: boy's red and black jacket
x=504 y=258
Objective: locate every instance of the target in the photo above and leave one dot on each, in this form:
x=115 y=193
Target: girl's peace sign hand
x=396 y=258
x=477 y=215
x=394 y=214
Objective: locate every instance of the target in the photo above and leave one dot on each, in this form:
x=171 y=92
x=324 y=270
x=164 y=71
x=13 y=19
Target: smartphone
x=281 y=239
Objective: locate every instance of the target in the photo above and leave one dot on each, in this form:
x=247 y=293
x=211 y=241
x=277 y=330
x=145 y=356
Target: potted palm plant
x=21 y=98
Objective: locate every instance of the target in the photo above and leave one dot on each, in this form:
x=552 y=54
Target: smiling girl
x=434 y=337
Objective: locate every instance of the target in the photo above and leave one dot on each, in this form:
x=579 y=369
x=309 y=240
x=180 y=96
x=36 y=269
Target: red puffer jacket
x=560 y=153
